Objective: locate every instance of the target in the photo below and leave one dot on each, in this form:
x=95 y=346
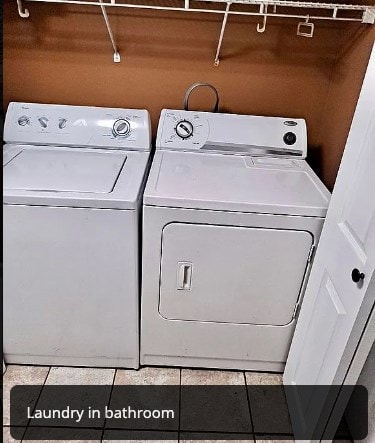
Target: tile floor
x=43 y=376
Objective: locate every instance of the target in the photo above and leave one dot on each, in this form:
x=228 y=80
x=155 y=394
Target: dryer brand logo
x=290 y=123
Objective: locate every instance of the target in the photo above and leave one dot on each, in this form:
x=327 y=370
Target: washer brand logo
x=290 y=123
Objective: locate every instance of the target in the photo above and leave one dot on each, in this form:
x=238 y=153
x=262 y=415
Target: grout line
x=109 y=401
x=179 y=407
x=36 y=402
x=49 y=370
x=24 y=430
x=248 y=402
x=275 y=434
x=95 y=428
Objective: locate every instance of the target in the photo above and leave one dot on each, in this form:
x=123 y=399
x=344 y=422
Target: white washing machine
x=232 y=216
x=73 y=183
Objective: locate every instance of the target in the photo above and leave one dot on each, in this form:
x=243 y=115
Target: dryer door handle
x=184 y=274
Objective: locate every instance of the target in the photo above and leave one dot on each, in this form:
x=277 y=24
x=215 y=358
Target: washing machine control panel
x=232 y=133
x=82 y=126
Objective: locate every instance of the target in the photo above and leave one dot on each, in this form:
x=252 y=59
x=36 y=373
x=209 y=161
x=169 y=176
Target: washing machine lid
x=61 y=176
x=61 y=170
x=235 y=183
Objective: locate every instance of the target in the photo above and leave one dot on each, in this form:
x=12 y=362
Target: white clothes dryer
x=73 y=183
x=232 y=216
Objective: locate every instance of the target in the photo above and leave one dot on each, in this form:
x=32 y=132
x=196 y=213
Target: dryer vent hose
x=196 y=85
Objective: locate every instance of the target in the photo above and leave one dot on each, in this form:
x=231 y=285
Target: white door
x=336 y=303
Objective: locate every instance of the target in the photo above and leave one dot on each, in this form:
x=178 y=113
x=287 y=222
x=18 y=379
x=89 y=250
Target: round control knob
x=62 y=123
x=290 y=138
x=43 y=121
x=357 y=275
x=121 y=127
x=23 y=120
x=184 y=129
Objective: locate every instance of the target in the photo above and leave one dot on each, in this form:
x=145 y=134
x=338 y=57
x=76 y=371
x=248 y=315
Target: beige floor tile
x=263 y=378
x=274 y=441
x=148 y=376
x=20 y=375
x=60 y=441
x=139 y=441
x=217 y=441
x=211 y=377
x=81 y=398
x=292 y=440
x=24 y=375
x=7 y=438
x=80 y=376
x=33 y=435
x=114 y=436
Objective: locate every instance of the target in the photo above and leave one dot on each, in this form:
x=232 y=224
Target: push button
x=290 y=138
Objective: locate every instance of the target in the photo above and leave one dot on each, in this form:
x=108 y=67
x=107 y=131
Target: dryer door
x=232 y=274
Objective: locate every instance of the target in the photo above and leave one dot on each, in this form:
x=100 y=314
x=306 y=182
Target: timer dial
x=24 y=120
x=184 y=129
x=121 y=127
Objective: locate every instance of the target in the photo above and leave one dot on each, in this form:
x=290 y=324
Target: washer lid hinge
x=311 y=253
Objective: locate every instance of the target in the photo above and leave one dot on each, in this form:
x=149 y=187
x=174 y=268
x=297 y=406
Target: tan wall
x=62 y=54
x=345 y=85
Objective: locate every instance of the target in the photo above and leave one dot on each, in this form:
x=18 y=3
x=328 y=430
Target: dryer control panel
x=83 y=126
x=232 y=133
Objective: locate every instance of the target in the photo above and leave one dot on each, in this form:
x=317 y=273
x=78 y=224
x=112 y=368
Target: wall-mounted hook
x=23 y=12
x=262 y=27
x=306 y=28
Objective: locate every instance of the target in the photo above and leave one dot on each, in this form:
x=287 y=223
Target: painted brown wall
x=62 y=54
x=345 y=85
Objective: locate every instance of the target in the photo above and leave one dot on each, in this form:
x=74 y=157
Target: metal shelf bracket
x=223 y=25
x=369 y=16
x=116 y=54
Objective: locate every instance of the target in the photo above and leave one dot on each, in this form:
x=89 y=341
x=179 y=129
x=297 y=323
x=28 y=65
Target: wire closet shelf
x=307 y=12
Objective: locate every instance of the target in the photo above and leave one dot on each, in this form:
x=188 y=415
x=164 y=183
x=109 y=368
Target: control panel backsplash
x=82 y=126
x=231 y=133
